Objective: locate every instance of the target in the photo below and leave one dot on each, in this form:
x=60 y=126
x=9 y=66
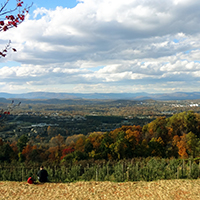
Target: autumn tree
x=15 y=149
x=181 y=143
x=156 y=129
x=71 y=140
x=95 y=139
x=67 y=151
x=80 y=144
x=57 y=145
x=27 y=152
x=57 y=141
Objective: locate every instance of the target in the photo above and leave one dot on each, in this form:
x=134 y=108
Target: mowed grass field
x=162 y=189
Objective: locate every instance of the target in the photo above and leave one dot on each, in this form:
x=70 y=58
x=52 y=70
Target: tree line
x=177 y=136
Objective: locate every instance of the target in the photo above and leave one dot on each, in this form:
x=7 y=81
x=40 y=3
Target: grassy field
x=162 y=189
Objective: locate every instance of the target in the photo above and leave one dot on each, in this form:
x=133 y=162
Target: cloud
x=130 y=44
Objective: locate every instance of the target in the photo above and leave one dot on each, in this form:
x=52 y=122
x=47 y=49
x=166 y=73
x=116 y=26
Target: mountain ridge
x=114 y=96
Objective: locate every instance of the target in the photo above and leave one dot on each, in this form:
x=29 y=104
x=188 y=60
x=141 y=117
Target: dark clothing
x=42 y=175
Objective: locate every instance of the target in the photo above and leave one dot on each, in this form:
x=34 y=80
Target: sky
x=104 y=46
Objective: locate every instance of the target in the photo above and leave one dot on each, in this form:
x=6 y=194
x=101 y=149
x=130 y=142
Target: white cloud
x=107 y=46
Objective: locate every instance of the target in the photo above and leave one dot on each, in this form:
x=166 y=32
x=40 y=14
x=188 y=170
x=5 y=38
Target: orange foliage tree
x=80 y=144
x=57 y=145
x=27 y=152
x=181 y=143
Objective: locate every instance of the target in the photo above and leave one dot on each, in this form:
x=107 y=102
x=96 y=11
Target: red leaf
x=1 y=23
x=19 y=4
x=11 y=17
x=21 y=17
x=5 y=28
x=14 y=24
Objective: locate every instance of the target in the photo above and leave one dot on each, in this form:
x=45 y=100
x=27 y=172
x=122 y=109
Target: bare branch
x=6 y=12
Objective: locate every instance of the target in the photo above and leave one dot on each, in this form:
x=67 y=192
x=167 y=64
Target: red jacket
x=30 y=180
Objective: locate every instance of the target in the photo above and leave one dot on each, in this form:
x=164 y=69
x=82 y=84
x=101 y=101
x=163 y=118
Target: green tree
x=119 y=147
x=22 y=141
x=105 y=145
x=193 y=143
x=156 y=129
x=88 y=146
x=156 y=147
x=177 y=124
x=6 y=152
x=191 y=122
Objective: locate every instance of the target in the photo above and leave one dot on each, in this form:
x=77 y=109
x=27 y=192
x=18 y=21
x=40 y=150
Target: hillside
x=162 y=189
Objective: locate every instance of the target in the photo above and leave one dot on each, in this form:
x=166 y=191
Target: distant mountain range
x=114 y=96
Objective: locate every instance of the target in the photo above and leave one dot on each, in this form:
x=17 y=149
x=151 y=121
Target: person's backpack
x=30 y=180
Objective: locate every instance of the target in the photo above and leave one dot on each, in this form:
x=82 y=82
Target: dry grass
x=162 y=189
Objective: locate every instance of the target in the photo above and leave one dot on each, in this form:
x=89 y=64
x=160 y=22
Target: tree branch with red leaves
x=10 y=19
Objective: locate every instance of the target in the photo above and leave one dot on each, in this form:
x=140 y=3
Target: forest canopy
x=177 y=136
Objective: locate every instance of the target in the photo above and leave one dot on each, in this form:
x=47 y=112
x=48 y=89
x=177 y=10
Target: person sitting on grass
x=42 y=175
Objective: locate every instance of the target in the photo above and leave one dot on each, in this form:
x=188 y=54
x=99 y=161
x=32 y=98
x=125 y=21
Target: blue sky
x=104 y=46
x=52 y=4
